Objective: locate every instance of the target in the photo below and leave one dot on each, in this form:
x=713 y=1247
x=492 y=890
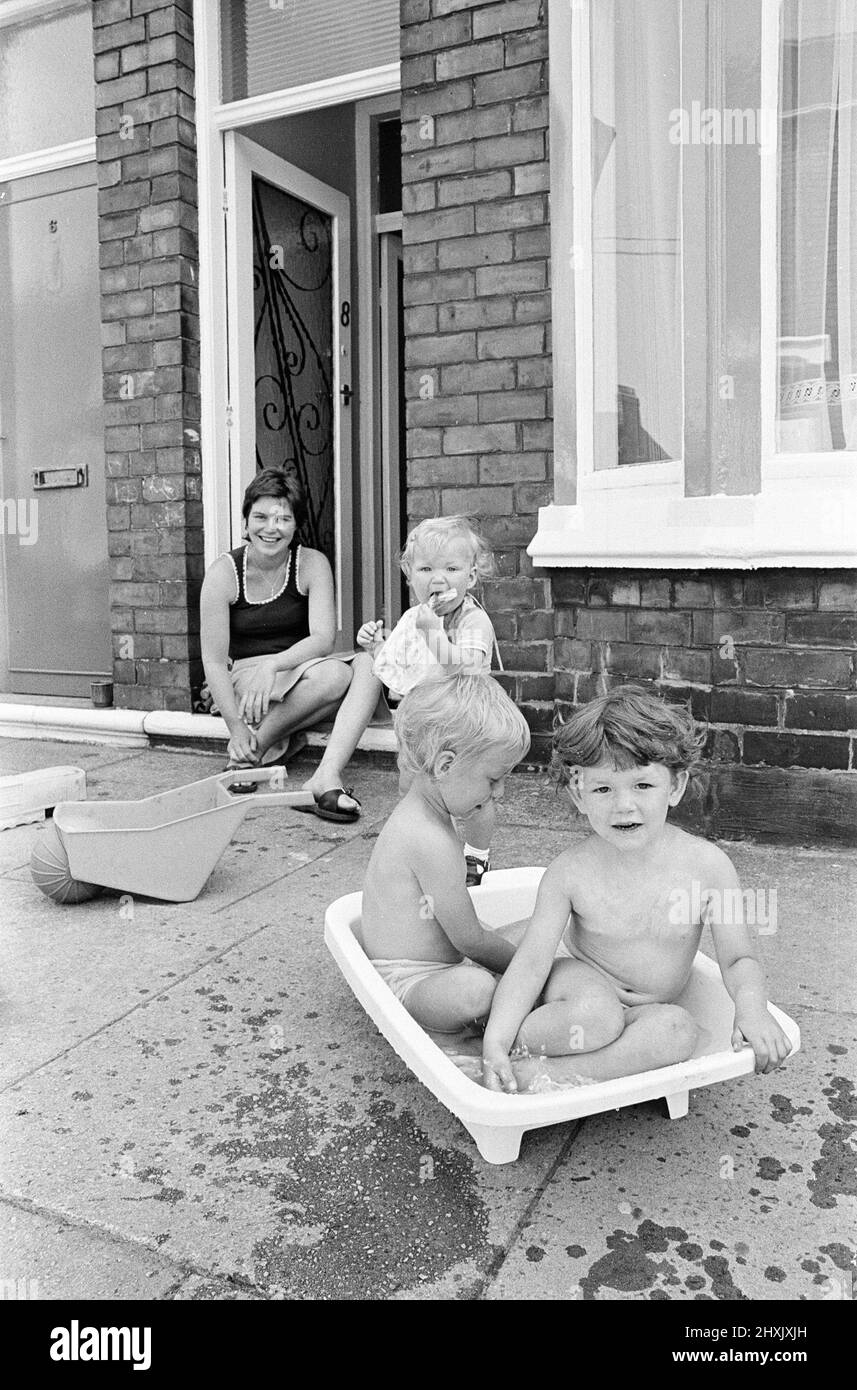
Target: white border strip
x=122 y=728
x=17 y=11
x=214 y=384
x=136 y=728
x=23 y=166
x=333 y=91
x=793 y=524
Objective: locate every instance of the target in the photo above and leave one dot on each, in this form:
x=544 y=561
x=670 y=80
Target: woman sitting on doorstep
x=268 y=623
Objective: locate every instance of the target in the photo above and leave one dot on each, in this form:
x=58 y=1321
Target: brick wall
x=477 y=300
x=149 y=308
x=767 y=659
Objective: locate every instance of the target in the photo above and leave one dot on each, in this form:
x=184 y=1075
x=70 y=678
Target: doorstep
x=126 y=728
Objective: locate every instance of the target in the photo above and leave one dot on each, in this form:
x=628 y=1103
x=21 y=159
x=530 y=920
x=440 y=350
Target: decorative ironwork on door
x=293 y=335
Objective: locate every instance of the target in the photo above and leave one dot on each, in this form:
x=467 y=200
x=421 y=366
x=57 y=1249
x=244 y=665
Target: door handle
x=346 y=393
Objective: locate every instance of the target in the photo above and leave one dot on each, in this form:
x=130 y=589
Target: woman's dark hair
x=273 y=482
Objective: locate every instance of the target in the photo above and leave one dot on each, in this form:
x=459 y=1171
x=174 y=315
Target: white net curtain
x=636 y=230
x=817 y=347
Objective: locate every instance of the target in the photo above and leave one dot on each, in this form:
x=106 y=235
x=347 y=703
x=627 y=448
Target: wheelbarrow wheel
x=49 y=867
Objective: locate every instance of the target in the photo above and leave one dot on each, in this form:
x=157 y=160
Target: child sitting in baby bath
x=623 y=912
x=459 y=736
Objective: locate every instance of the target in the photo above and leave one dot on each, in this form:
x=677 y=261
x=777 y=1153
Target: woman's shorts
x=241 y=670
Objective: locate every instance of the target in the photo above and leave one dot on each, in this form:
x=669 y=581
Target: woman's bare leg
x=311 y=700
x=354 y=714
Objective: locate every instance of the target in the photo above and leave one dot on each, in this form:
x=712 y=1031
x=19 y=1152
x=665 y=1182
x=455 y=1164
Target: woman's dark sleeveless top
x=275 y=624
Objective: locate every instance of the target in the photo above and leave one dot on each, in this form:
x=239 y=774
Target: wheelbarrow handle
x=282 y=799
x=263 y=777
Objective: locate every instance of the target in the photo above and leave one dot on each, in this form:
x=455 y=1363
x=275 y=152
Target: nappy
x=401 y=975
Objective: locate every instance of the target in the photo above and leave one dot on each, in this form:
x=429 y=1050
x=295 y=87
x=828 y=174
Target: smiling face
x=270 y=527
x=468 y=782
x=449 y=567
x=627 y=807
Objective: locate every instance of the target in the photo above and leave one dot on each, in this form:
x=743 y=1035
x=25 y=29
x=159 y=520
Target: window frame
x=42 y=159
x=641 y=516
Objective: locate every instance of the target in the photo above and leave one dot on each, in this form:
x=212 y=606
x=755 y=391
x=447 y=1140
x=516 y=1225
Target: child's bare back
x=398 y=917
x=458 y=738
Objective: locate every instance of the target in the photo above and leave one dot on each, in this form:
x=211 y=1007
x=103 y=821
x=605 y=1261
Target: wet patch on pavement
x=250 y=1122
x=755 y=1154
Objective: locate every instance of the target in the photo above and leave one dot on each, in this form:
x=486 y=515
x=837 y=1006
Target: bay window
x=704 y=248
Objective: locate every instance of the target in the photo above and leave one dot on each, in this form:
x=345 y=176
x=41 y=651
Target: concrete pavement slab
x=20 y=755
x=118 y=950
x=67 y=972
x=16 y=846
x=811 y=956
x=751 y=1196
x=197 y=1083
x=26 y=755
x=47 y=1258
x=249 y=1120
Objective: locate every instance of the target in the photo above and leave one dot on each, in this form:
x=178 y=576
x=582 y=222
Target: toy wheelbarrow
x=164 y=846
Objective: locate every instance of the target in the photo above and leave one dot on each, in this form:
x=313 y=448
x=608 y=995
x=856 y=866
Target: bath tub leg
x=677 y=1104
x=497 y=1143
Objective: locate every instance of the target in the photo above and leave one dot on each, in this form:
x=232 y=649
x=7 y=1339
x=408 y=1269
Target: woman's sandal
x=327 y=807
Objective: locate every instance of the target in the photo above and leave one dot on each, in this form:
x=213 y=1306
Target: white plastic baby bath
x=497 y=1121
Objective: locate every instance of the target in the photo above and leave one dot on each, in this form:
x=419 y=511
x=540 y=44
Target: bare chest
x=656 y=908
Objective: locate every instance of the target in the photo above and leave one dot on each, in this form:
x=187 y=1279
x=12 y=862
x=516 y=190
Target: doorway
x=289 y=343
x=292 y=185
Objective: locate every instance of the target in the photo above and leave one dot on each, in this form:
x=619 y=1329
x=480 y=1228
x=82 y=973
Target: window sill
x=806 y=522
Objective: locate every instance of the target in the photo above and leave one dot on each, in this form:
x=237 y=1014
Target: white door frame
x=390 y=251
x=368 y=113
x=244 y=159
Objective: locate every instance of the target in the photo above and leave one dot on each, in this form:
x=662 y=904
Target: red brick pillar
x=150 y=333
x=476 y=288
